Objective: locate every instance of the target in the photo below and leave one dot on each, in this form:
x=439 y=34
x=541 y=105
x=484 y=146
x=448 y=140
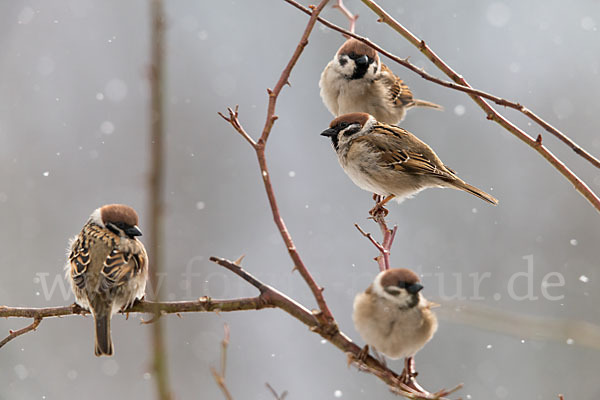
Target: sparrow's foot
x=363 y=354
x=379 y=206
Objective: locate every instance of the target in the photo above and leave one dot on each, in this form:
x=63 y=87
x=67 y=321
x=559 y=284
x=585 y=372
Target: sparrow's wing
x=79 y=259
x=399 y=93
x=402 y=151
x=119 y=268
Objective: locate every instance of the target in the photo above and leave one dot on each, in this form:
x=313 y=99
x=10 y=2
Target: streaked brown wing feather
x=390 y=142
x=79 y=260
x=119 y=268
x=399 y=93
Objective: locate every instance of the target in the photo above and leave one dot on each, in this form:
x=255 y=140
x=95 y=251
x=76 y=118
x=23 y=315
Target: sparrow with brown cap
x=390 y=161
x=107 y=267
x=357 y=81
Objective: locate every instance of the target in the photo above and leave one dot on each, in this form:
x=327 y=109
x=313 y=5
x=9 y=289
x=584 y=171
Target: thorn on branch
x=538 y=140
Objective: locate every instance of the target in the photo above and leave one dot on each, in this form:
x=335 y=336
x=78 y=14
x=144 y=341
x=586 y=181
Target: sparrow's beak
x=414 y=288
x=329 y=132
x=133 y=231
x=364 y=60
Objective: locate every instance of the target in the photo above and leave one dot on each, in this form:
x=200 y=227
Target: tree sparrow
x=107 y=267
x=356 y=81
x=390 y=161
x=392 y=316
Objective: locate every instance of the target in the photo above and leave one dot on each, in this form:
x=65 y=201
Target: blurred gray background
x=73 y=136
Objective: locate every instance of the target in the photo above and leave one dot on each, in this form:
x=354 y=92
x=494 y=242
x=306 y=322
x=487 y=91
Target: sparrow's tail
x=461 y=185
x=104 y=346
x=424 y=103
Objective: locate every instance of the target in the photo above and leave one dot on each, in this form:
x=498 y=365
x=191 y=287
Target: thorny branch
x=495 y=116
x=477 y=95
x=259 y=146
x=383 y=260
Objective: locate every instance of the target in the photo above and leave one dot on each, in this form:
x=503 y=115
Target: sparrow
x=107 y=267
x=392 y=316
x=357 y=81
x=390 y=161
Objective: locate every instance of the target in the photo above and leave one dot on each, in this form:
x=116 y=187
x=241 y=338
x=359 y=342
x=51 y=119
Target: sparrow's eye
x=393 y=290
x=343 y=125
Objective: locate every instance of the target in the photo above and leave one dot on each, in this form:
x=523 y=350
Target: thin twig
x=325 y=314
x=156 y=190
x=380 y=259
x=351 y=17
x=220 y=376
x=274 y=393
x=13 y=334
x=492 y=114
x=478 y=96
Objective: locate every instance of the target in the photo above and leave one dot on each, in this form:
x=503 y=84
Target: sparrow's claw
x=363 y=354
x=379 y=207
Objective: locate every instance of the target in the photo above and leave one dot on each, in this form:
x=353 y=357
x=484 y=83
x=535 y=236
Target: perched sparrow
x=107 y=267
x=390 y=161
x=392 y=316
x=356 y=81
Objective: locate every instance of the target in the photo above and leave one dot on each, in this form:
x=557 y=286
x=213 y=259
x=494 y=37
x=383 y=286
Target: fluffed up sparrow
x=357 y=81
x=390 y=161
x=107 y=267
x=392 y=316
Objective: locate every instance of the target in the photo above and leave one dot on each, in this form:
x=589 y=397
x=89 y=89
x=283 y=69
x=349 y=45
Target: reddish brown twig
x=219 y=376
x=579 y=185
x=561 y=397
x=493 y=115
x=351 y=17
x=260 y=145
x=388 y=237
x=13 y=334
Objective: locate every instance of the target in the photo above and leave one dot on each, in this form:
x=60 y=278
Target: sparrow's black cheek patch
x=343 y=61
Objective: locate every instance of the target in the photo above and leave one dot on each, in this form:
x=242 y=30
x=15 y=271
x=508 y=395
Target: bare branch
x=351 y=17
x=493 y=115
x=325 y=314
x=28 y=328
x=156 y=189
x=220 y=376
x=234 y=121
x=478 y=96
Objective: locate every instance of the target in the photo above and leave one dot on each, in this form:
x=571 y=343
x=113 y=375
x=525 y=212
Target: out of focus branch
x=519 y=325
x=156 y=189
x=478 y=96
x=219 y=376
x=274 y=393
